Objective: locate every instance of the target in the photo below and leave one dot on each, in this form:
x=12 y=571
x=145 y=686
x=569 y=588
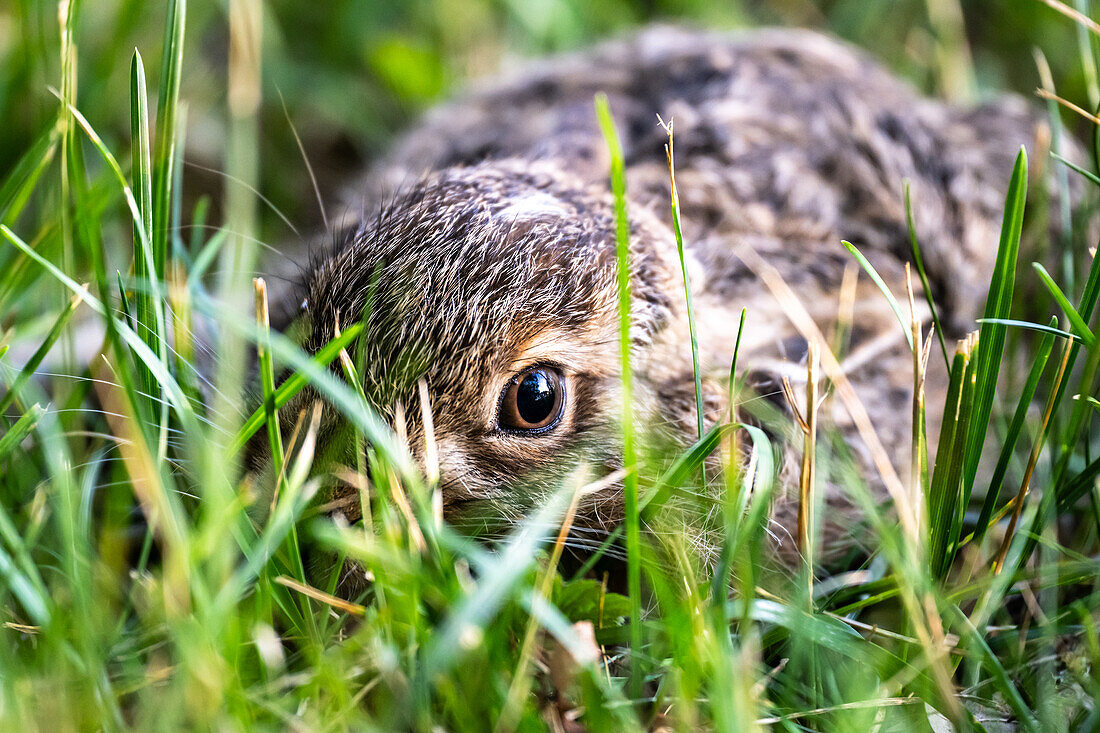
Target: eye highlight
x=533 y=401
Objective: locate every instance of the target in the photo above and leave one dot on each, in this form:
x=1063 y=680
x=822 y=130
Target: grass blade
x=1025 y=485
x=293 y=385
x=20 y=430
x=1012 y=436
x=19 y=183
x=167 y=112
x=40 y=353
x=172 y=391
x=1037 y=327
x=630 y=481
x=944 y=507
x=150 y=326
x=873 y=274
x=1075 y=319
x=669 y=153
x=991 y=335
x=1087 y=174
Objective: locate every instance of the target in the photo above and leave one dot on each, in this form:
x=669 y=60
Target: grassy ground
x=977 y=608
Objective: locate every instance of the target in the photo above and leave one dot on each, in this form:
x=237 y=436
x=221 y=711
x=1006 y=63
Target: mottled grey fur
x=490 y=226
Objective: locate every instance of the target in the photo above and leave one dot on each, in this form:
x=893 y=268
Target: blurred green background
x=352 y=73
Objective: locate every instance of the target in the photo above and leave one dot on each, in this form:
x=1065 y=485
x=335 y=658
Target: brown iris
x=532 y=401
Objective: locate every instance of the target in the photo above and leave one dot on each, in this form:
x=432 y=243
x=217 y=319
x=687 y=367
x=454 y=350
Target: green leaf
x=20 y=430
x=944 y=506
x=167 y=114
x=1012 y=436
x=293 y=385
x=1075 y=319
x=19 y=183
x=630 y=462
x=873 y=274
x=44 y=348
x=580 y=600
x=991 y=335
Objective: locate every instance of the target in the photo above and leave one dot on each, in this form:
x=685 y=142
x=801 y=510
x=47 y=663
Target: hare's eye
x=533 y=401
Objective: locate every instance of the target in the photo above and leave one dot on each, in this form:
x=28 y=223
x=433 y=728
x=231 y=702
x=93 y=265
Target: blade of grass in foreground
x=48 y=343
x=147 y=304
x=292 y=386
x=18 y=185
x=877 y=279
x=630 y=481
x=1013 y=435
x=1075 y=319
x=22 y=427
x=734 y=488
x=991 y=335
x=496 y=581
x=1070 y=431
x=175 y=396
x=167 y=113
x=943 y=494
x=670 y=154
x=1021 y=495
x=1070 y=434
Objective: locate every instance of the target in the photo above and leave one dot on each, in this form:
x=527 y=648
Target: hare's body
x=489 y=235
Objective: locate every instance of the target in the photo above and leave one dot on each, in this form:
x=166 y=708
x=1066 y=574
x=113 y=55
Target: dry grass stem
x=431 y=453
x=319 y=595
x=920 y=370
x=1073 y=14
x=1045 y=94
x=802 y=320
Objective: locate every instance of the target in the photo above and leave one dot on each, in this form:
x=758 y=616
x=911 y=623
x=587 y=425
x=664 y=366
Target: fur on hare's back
x=487 y=238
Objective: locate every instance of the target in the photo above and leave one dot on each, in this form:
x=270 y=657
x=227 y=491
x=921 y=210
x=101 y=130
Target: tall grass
x=139 y=589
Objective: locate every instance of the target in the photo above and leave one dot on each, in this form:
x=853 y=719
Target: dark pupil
x=535 y=397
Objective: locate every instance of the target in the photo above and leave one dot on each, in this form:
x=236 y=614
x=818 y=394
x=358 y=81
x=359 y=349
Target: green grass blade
x=943 y=495
x=496 y=581
x=154 y=282
x=167 y=114
x=734 y=491
x=267 y=377
x=293 y=385
x=33 y=601
x=1066 y=442
x=124 y=301
x=873 y=274
x=1078 y=486
x=146 y=316
x=116 y=172
x=1037 y=327
x=141 y=163
x=31 y=591
x=1075 y=319
x=18 y=184
x=1012 y=436
x=630 y=481
x=991 y=335
x=172 y=390
x=1000 y=677
x=40 y=353
x=677 y=231
x=206 y=257
x=1087 y=174
x=18 y=431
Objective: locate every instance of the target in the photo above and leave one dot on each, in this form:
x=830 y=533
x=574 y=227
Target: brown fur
x=498 y=251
